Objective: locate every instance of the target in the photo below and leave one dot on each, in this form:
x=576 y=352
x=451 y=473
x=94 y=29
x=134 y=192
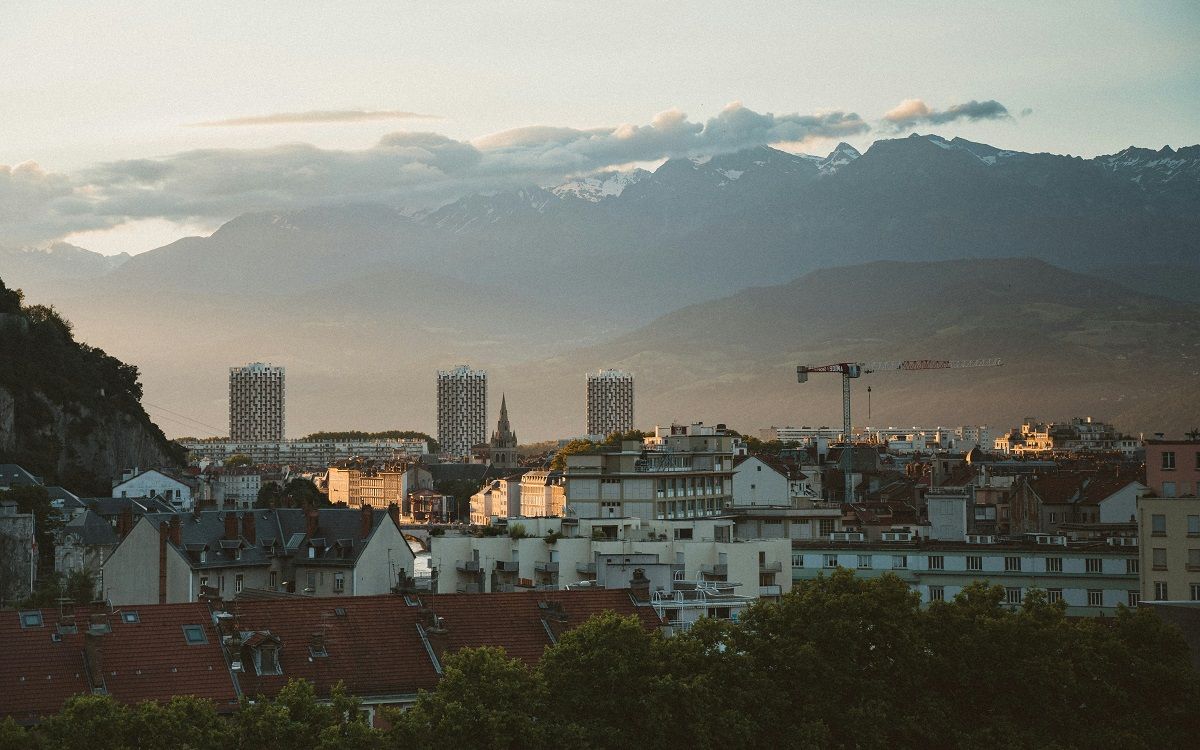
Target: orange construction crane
x=857 y=369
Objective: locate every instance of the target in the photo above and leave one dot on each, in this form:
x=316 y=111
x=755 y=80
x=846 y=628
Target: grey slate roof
x=282 y=531
x=91 y=529
x=12 y=475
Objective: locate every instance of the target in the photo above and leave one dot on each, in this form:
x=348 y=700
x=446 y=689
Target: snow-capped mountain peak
x=597 y=187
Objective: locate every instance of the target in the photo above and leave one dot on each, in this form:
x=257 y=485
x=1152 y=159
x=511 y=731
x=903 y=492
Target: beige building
x=1169 y=530
x=685 y=471
x=542 y=493
x=172 y=557
x=501 y=498
x=377 y=487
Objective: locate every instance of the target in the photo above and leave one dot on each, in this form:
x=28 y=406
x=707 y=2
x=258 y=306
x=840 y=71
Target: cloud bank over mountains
x=317 y=115
x=412 y=169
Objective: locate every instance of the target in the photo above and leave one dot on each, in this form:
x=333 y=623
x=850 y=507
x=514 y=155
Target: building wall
x=151 y=483
x=1121 y=506
x=756 y=483
x=131 y=571
x=1178 y=476
x=17 y=561
x=1177 y=569
x=609 y=404
x=386 y=558
x=256 y=403
x=1117 y=581
x=462 y=409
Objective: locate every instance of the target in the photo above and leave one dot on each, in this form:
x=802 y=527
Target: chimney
x=248 y=527
x=125 y=522
x=311 y=519
x=164 y=533
x=231 y=525
x=367 y=518
x=394 y=512
x=176 y=531
x=639 y=586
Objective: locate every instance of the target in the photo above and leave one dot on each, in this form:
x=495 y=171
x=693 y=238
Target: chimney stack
x=639 y=586
x=311 y=519
x=176 y=531
x=394 y=512
x=231 y=525
x=248 y=527
x=125 y=522
x=367 y=518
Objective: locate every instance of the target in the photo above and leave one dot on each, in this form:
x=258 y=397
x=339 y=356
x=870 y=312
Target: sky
x=126 y=126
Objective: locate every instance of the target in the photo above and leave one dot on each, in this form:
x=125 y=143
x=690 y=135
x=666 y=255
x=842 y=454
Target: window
x=1053 y=564
x=937 y=562
x=683 y=534
x=339 y=582
x=1094 y=565
x=1168 y=489
x=221 y=583
x=1196 y=592
x=937 y=593
x=1012 y=595
x=899 y=562
x=826 y=526
x=831 y=561
x=1159 y=558
x=237 y=553
x=1131 y=566
x=797 y=560
x=194 y=635
x=238 y=581
x=1134 y=598
x=312 y=583
x=1193 y=525
x=274 y=580
x=1095 y=598
x=1168 y=460
x=31 y=619
x=974 y=562
x=203 y=582
x=130 y=616
x=267 y=657
x=1053 y=595
x=1158 y=525
x=864 y=562
x=1160 y=591
x=1193 y=562
x=1012 y=564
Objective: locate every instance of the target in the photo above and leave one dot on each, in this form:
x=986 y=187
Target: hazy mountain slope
x=41 y=270
x=1072 y=344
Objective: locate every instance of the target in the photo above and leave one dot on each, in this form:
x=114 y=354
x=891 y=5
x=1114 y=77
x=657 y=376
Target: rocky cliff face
x=70 y=412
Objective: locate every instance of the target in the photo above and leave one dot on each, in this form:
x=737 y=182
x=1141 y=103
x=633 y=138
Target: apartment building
x=500 y=498
x=1173 y=467
x=306 y=453
x=256 y=403
x=609 y=402
x=1092 y=577
x=685 y=472
x=1079 y=435
x=462 y=410
x=175 y=557
x=155 y=483
x=676 y=556
x=542 y=493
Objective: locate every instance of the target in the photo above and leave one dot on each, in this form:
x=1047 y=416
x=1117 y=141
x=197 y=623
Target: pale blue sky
x=82 y=86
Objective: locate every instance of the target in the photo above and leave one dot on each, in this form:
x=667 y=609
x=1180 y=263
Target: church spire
x=502 y=425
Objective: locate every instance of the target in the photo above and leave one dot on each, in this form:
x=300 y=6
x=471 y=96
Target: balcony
x=772 y=590
x=467 y=566
x=720 y=569
x=585 y=568
x=771 y=567
x=507 y=566
x=545 y=567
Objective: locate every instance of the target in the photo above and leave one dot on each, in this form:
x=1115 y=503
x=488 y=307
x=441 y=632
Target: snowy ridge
x=597 y=187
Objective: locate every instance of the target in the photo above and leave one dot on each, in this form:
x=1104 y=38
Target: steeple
x=504 y=440
x=502 y=426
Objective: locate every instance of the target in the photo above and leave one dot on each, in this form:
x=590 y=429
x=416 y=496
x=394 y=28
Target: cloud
x=1026 y=112
x=913 y=112
x=316 y=115
x=409 y=169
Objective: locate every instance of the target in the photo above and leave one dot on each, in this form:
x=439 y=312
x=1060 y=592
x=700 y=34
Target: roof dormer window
x=266 y=659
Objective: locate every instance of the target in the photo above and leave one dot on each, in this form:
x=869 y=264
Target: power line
x=184 y=416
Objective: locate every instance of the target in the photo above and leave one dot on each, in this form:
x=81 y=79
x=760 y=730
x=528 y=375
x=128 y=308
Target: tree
x=297 y=493
x=484 y=700
x=184 y=722
x=89 y=722
x=238 y=459
x=296 y=719
x=575 y=447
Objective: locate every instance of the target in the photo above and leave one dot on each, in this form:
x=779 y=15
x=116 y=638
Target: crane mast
x=850 y=370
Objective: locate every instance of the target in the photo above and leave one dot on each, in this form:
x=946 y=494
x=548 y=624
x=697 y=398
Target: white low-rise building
x=151 y=483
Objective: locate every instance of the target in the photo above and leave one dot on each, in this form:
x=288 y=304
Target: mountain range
x=676 y=275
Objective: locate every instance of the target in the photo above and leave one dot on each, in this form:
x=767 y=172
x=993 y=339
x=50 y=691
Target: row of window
x=1012 y=564
x=1162 y=592
x=1158 y=558
x=239 y=582
x=1158 y=525
x=1168 y=460
x=1016 y=595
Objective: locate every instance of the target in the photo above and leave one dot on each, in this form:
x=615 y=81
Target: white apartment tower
x=609 y=402
x=256 y=395
x=462 y=409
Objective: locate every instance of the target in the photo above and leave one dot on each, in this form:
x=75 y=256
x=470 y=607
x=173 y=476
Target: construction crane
x=850 y=370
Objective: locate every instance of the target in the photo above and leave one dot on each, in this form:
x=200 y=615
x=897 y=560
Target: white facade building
x=256 y=403
x=137 y=483
x=462 y=410
x=609 y=402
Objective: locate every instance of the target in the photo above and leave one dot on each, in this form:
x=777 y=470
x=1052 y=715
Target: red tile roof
x=148 y=659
